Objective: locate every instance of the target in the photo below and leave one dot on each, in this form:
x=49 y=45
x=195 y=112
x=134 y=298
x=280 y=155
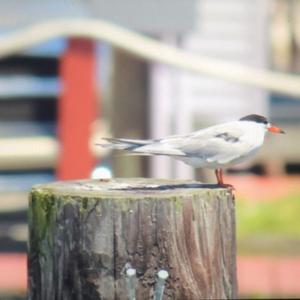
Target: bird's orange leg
x=219 y=175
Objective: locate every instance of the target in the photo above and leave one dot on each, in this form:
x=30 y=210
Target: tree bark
x=82 y=233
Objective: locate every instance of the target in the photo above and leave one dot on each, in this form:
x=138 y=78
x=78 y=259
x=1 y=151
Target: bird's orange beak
x=274 y=129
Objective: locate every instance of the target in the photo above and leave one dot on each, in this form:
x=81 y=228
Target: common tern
x=216 y=147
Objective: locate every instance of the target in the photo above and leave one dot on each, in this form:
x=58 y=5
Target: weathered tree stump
x=82 y=233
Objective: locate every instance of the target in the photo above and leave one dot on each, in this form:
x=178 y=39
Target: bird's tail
x=141 y=147
x=123 y=144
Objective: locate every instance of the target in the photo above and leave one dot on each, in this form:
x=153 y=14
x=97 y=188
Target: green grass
x=269 y=226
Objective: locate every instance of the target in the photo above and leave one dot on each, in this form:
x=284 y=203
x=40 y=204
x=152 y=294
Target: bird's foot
x=227 y=186
x=219 y=175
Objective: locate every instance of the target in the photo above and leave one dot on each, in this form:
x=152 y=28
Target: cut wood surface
x=82 y=233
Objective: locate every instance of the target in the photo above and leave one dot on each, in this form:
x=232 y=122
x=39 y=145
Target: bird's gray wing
x=219 y=144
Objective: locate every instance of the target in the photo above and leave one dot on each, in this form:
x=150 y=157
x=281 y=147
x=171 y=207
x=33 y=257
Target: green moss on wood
x=41 y=214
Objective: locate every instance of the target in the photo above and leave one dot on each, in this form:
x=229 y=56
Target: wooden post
x=83 y=233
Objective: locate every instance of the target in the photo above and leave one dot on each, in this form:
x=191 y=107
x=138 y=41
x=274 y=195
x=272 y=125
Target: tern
x=216 y=147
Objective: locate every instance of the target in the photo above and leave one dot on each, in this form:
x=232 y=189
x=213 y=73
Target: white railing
x=149 y=49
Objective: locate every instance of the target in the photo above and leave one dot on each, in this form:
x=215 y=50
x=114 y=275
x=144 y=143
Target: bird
x=216 y=147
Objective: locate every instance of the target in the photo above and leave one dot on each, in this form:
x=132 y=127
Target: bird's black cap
x=255 y=118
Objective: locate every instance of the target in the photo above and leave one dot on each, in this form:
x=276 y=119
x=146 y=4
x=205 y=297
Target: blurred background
x=60 y=97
